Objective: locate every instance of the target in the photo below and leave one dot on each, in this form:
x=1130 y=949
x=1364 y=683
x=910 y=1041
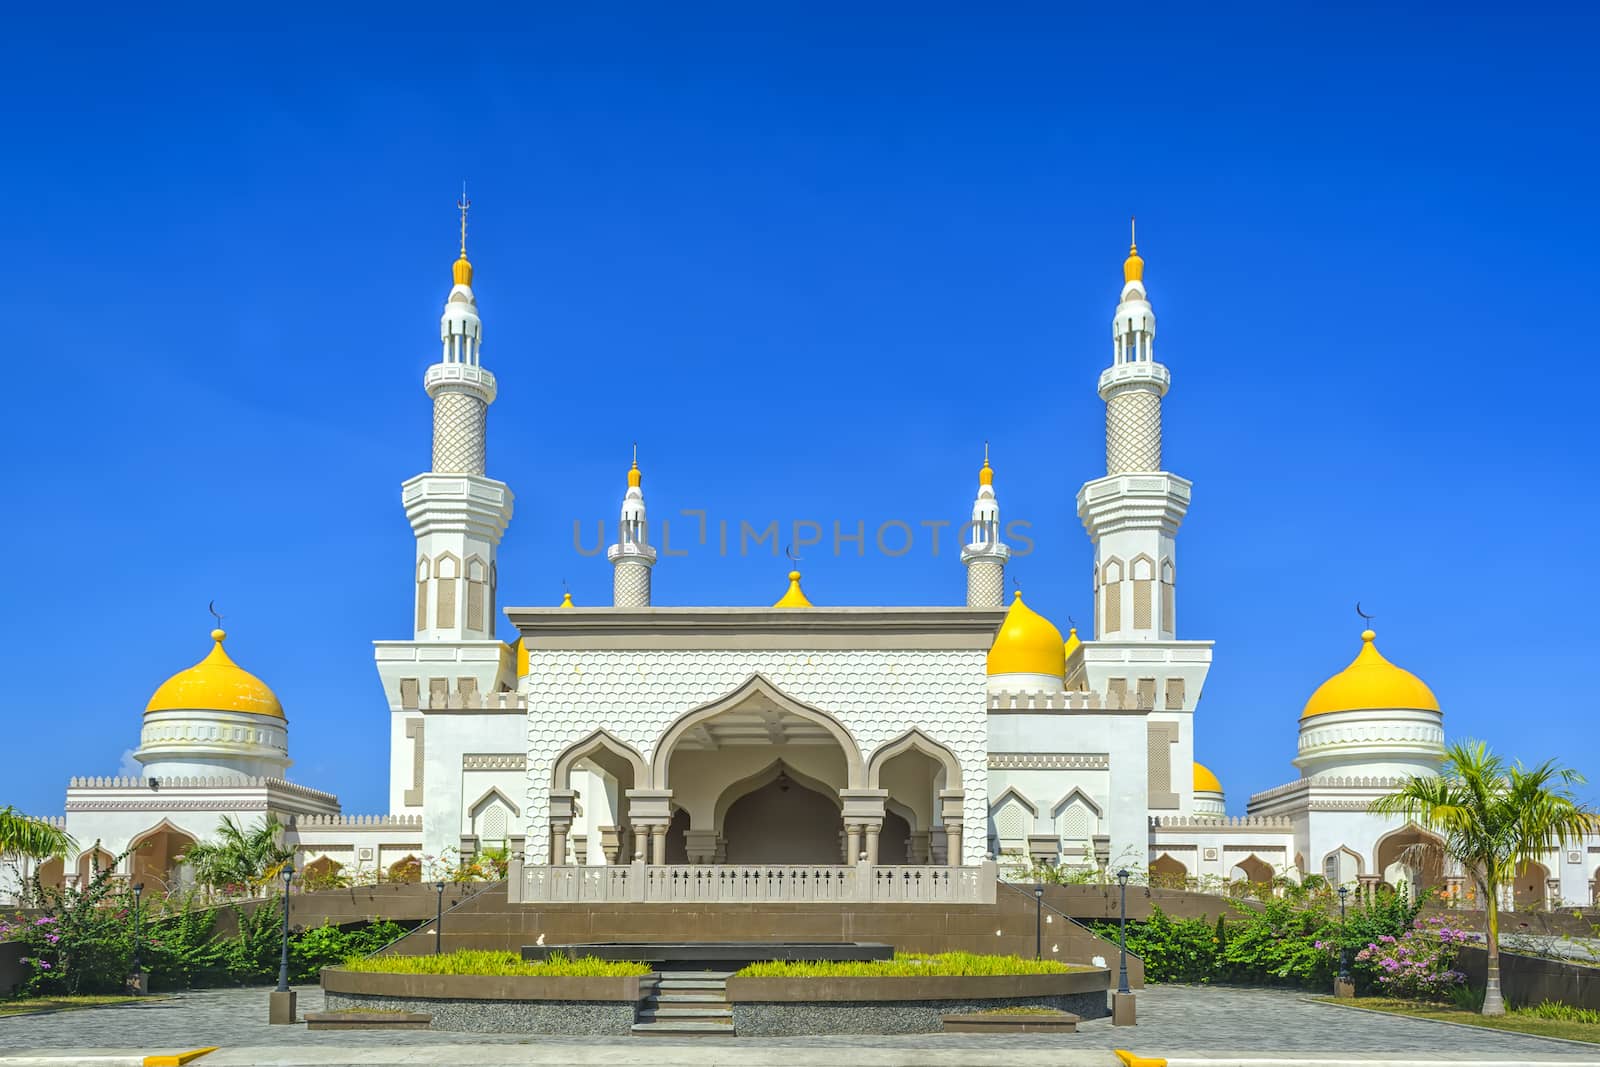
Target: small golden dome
x=1205 y=781
x=1072 y=643
x=634 y=476
x=566 y=601
x=1370 y=682
x=463 y=270
x=795 y=597
x=986 y=475
x=1133 y=266
x=1028 y=643
x=216 y=683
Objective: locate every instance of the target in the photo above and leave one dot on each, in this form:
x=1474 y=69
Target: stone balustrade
x=748 y=883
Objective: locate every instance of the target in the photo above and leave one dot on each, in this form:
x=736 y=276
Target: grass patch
x=1021 y=1009
x=1546 y=1020
x=907 y=965
x=473 y=961
x=31 y=1005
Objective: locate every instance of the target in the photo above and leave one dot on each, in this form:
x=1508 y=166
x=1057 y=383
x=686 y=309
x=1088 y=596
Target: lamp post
x=281 y=1001
x=438 y=919
x=1038 y=920
x=138 y=968
x=1122 y=934
x=283 y=959
x=1343 y=987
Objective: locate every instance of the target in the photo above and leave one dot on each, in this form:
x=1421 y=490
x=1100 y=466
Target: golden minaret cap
x=1133 y=266
x=463 y=266
x=986 y=473
x=633 y=472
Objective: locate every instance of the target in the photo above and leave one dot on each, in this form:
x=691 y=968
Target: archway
x=321 y=873
x=406 y=869
x=757 y=743
x=677 y=843
x=52 y=873
x=1529 y=891
x=1342 y=866
x=782 y=822
x=1168 y=873
x=594 y=776
x=1250 y=875
x=894 y=839
x=1411 y=855
x=92 y=862
x=157 y=856
x=919 y=774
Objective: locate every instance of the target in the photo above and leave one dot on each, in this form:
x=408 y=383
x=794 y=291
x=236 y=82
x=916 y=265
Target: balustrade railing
x=751 y=883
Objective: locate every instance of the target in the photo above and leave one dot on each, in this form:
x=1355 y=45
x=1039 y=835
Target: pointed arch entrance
x=1413 y=857
x=156 y=857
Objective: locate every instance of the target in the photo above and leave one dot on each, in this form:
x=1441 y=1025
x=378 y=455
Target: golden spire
x=1133 y=266
x=633 y=472
x=986 y=474
x=463 y=267
x=794 y=598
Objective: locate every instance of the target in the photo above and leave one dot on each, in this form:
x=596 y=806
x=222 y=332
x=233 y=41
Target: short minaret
x=985 y=554
x=457 y=514
x=1133 y=513
x=632 y=557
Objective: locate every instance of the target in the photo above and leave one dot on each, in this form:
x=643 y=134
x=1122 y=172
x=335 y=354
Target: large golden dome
x=1205 y=781
x=1370 y=682
x=1028 y=643
x=216 y=683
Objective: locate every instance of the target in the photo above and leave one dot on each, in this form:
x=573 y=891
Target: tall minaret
x=456 y=513
x=985 y=554
x=632 y=557
x=1133 y=513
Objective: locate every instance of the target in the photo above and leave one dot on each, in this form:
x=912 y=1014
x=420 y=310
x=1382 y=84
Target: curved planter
x=775 y=1007
x=523 y=1004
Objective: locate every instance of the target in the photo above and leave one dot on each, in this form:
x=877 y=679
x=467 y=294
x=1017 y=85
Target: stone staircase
x=687 y=1004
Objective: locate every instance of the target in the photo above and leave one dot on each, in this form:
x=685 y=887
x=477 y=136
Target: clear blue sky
x=810 y=259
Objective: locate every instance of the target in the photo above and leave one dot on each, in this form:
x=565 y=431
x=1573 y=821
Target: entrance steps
x=687 y=1004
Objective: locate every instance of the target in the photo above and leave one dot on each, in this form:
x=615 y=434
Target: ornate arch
x=755 y=685
x=599 y=741
x=915 y=740
x=766 y=776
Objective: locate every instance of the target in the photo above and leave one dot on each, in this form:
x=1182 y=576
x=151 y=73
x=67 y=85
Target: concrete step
x=651 y=1015
x=717 y=997
x=693 y=984
x=683 y=1029
x=716 y=976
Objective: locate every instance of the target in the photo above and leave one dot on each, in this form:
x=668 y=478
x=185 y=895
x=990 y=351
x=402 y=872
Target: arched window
x=1168 y=599
x=448 y=569
x=1111 y=581
x=1011 y=824
x=477 y=592
x=1143 y=570
x=422 y=593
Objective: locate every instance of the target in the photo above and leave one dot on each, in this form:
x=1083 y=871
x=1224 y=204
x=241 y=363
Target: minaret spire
x=985 y=554
x=632 y=556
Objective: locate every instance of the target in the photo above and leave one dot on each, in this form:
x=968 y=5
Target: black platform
x=704 y=952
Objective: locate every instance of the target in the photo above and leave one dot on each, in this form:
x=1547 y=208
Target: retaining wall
x=1528 y=980
x=524 y=1004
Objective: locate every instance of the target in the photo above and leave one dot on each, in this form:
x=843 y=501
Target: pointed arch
x=600 y=741
x=914 y=740
x=757 y=685
x=491 y=795
x=1168 y=872
x=1012 y=793
x=1076 y=794
x=764 y=777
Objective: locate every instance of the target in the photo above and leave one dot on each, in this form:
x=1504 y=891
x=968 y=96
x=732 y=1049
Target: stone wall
x=12 y=970
x=1528 y=980
x=583 y=1017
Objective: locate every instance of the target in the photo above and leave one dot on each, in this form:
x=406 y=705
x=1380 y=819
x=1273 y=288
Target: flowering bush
x=1418 y=963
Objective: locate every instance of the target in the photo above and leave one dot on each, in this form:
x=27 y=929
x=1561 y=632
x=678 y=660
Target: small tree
x=239 y=858
x=1493 y=818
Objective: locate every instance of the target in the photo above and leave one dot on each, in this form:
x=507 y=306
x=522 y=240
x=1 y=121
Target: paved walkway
x=1173 y=1021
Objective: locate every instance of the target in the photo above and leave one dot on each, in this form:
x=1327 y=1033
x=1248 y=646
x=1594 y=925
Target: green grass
x=1020 y=1010
x=30 y=1005
x=1546 y=1020
x=471 y=961
x=907 y=965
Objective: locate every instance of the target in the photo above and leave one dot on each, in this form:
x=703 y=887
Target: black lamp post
x=1344 y=946
x=1122 y=935
x=1038 y=921
x=138 y=888
x=283 y=960
x=438 y=919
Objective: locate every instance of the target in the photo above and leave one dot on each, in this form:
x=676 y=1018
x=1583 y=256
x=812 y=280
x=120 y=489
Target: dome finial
x=1133 y=266
x=986 y=473
x=463 y=267
x=633 y=472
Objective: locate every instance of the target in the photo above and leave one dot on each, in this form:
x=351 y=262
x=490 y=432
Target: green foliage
x=472 y=961
x=240 y=860
x=329 y=946
x=1173 y=950
x=961 y=964
x=37 y=839
x=1554 y=1009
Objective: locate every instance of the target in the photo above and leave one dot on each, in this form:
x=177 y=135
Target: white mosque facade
x=644 y=752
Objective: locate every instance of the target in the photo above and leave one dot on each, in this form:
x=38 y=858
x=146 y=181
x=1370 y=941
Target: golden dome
x=1205 y=781
x=986 y=475
x=463 y=270
x=795 y=597
x=1028 y=643
x=1133 y=266
x=216 y=683
x=1370 y=682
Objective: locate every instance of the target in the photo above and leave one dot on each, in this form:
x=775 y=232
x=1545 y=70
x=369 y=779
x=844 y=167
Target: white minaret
x=985 y=554
x=456 y=513
x=632 y=557
x=1133 y=513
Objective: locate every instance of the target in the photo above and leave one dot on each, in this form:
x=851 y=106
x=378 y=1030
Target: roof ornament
x=1365 y=617
x=212 y=607
x=788 y=550
x=464 y=204
x=1133 y=234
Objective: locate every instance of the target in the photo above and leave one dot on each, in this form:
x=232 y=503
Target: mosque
x=639 y=752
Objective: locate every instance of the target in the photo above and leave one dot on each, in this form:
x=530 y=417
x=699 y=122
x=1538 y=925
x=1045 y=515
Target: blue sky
x=810 y=260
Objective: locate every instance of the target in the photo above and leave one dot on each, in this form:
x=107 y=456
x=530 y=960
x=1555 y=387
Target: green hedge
x=904 y=964
x=474 y=961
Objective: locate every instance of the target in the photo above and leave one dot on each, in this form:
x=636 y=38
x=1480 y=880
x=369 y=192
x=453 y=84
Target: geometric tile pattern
x=986 y=583
x=458 y=431
x=1133 y=432
x=875 y=694
x=630 y=585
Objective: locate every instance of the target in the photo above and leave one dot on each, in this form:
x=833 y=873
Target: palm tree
x=1493 y=818
x=36 y=839
x=239 y=857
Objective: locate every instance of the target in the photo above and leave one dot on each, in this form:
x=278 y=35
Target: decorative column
x=852 y=842
x=562 y=808
x=984 y=553
x=918 y=848
x=951 y=803
x=700 y=845
x=863 y=816
x=650 y=812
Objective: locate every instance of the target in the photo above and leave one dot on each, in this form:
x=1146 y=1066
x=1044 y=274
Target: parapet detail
x=355 y=822
x=1215 y=822
x=199 y=782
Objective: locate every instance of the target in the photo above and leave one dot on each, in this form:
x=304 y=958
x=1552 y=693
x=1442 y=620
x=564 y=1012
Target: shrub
x=1173 y=950
x=473 y=961
x=905 y=965
x=1418 y=963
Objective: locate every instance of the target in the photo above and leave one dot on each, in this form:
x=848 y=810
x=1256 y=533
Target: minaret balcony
x=462 y=378
x=1135 y=374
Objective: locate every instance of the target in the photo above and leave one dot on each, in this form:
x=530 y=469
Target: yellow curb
x=1131 y=1059
x=178 y=1059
